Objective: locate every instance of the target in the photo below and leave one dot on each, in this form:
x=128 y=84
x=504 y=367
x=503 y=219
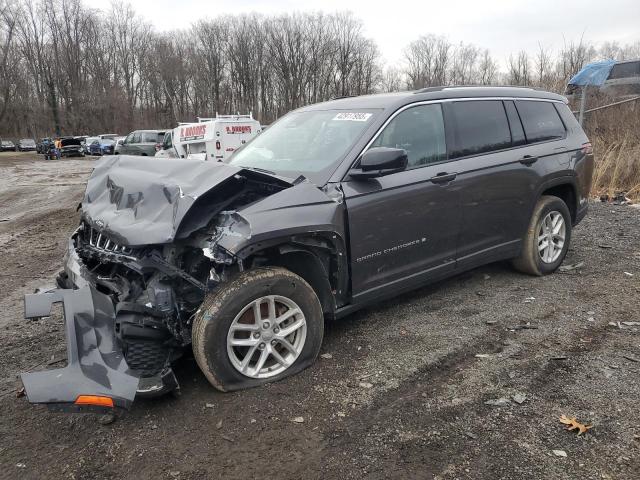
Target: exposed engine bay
x=158 y=288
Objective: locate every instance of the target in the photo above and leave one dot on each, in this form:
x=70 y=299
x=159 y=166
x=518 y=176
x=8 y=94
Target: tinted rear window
x=625 y=70
x=540 y=121
x=480 y=126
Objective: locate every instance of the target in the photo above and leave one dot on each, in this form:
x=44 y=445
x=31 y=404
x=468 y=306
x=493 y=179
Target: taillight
x=587 y=149
x=218 y=146
x=158 y=147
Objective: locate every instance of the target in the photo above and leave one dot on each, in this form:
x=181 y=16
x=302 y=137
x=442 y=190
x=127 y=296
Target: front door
x=403 y=227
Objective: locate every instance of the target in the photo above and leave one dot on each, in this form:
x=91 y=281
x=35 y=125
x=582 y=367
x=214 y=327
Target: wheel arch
x=564 y=188
x=319 y=258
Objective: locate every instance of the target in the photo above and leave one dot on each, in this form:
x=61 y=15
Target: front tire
x=547 y=239
x=264 y=325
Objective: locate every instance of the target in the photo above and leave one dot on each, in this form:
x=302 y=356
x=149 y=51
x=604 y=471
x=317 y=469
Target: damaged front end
x=136 y=271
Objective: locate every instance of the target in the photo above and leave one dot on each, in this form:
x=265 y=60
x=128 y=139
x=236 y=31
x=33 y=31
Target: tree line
x=69 y=69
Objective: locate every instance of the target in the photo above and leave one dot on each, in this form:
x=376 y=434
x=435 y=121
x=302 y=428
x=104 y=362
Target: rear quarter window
x=480 y=126
x=540 y=120
x=625 y=70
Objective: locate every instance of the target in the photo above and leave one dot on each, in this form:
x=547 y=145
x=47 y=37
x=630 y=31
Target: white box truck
x=212 y=139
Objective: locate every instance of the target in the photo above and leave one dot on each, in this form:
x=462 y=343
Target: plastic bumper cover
x=95 y=364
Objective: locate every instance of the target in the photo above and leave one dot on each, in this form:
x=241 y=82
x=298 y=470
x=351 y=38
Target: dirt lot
x=401 y=395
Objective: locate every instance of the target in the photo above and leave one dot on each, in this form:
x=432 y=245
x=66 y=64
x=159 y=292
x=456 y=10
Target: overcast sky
x=502 y=26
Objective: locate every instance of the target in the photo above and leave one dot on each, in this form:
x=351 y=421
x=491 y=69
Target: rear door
x=498 y=176
x=403 y=227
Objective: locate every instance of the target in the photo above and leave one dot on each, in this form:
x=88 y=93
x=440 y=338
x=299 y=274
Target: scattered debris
x=491 y=322
x=560 y=453
x=365 y=385
x=209 y=405
x=486 y=276
x=569 y=268
x=21 y=465
x=20 y=392
x=529 y=299
x=605 y=246
x=614 y=324
x=472 y=436
x=219 y=424
x=298 y=420
x=628 y=274
x=228 y=439
x=519 y=398
x=560 y=358
x=107 y=418
x=619 y=198
x=631 y=358
x=631 y=324
x=498 y=402
x=326 y=356
x=526 y=326
x=573 y=424
x=483 y=355
x=174 y=473
x=341 y=414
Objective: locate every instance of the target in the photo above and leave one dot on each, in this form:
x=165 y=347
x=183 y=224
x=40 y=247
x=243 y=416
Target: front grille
x=100 y=241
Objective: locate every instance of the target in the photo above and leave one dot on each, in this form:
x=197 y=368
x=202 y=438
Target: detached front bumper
x=96 y=376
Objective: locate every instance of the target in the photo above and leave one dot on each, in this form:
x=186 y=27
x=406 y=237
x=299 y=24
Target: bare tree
x=8 y=60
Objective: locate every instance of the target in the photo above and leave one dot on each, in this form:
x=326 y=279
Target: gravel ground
x=400 y=391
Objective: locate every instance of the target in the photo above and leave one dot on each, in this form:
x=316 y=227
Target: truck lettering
x=193 y=132
x=232 y=129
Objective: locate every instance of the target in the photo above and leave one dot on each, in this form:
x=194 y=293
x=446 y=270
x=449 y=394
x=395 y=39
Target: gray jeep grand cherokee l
x=336 y=206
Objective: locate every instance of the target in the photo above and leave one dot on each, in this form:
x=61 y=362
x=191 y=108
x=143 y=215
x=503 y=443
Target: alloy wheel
x=266 y=337
x=551 y=237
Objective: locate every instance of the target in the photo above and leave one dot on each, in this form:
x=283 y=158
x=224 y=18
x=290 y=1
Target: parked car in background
x=142 y=142
x=623 y=80
x=102 y=147
x=26 y=145
x=43 y=145
x=118 y=145
x=110 y=136
x=7 y=146
x=87 y=142
x=166 y=149
x=71 y=147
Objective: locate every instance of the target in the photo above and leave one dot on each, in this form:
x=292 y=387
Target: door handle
x=528 y=160
x=443 y=177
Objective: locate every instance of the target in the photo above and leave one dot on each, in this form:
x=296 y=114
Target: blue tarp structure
x=593 y=73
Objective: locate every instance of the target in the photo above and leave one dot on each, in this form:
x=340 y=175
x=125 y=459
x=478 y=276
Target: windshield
x=309 y=143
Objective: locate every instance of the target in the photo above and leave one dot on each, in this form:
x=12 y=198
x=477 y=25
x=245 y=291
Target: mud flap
x=95 y=363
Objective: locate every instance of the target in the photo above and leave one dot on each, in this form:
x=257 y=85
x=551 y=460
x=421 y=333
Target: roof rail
x=438 y=89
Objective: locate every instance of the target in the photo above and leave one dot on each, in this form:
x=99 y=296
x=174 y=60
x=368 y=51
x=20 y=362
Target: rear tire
x=550 y=222
x=257 y=309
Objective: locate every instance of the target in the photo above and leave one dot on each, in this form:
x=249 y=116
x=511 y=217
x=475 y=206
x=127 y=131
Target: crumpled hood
x=142 y=200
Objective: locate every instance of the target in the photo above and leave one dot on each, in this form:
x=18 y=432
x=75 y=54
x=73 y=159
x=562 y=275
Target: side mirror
x=380 y=161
